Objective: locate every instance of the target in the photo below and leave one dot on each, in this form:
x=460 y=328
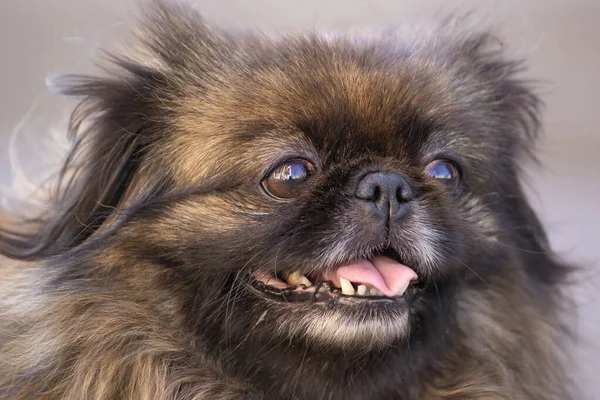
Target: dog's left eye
x=288 y=179
x=445 y=172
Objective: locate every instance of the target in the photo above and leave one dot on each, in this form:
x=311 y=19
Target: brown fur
x=126 y=350
x=106 y=299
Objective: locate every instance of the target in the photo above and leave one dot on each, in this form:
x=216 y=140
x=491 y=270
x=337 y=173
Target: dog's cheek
x=201 y=227
x=431 y=238
x=480 y=218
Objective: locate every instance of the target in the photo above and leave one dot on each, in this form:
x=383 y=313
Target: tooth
x=361 y=290
x=297 y=278
x=376 y=292
x=304 y=281
x=401 y=291
x=347 y=287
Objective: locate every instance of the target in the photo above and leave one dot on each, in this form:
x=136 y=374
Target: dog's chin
x=344 y=315
x=342 y=322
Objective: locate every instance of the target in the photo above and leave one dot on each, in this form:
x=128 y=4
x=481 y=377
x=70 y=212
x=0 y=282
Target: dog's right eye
x=288 y=179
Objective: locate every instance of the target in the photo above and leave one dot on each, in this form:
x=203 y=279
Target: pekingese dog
x=306 y=217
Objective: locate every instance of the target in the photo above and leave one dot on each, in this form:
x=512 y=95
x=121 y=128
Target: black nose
x=388 y=194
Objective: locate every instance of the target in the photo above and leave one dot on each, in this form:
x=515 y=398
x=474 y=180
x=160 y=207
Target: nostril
x=376 y=193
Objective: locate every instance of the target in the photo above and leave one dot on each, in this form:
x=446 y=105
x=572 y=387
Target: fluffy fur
x=133 y=284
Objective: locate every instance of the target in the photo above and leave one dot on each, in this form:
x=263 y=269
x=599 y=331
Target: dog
x=300 y=217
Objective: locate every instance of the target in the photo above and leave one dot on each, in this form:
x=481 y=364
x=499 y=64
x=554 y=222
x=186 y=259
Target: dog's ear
x=111 y=130
x=517 y=106
x=120 y=118
x=490 y=70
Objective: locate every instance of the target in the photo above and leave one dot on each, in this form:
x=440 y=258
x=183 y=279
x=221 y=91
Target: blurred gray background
x=560 y=38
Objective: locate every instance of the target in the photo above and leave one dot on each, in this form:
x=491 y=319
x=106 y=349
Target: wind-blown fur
x=132 y=285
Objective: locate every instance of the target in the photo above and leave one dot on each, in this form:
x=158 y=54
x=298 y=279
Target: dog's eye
x=445 y=172
x=288 y=179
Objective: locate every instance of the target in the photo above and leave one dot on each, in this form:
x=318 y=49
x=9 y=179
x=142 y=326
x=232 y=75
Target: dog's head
x=327 y=191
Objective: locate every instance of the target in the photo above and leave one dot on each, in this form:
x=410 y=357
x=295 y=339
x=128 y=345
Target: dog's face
x=335 y=193
x=358 y=174
x=346 y=175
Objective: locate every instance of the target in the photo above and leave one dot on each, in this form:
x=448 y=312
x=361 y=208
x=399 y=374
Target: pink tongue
x=382 y=273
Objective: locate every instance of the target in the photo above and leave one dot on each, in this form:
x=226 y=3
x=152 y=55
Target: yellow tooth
x=297 y=278
x=401 y=291
x=304 y=281
x=361 y=290
x=347 y=287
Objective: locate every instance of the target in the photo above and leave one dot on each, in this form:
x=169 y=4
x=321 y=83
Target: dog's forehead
x=342 y=93
x=337 y=96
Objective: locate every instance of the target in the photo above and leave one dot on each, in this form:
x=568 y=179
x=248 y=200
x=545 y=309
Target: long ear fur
x=99 y=166
x=117 y=120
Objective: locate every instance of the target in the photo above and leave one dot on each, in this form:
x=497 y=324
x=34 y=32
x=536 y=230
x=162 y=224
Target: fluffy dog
x=305 y=217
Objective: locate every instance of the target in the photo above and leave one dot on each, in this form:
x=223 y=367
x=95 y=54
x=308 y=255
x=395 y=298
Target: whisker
x=475 y=273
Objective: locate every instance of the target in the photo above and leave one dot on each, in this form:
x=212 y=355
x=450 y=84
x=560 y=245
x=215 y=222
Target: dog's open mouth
x=380 y=278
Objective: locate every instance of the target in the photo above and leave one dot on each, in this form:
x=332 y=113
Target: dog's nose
x=388 y=194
